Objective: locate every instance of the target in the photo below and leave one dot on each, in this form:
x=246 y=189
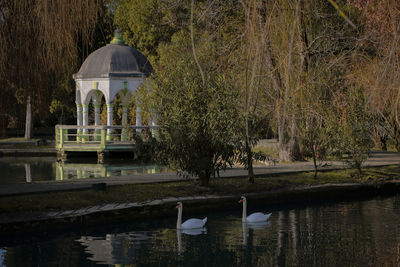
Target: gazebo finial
x=117 y=38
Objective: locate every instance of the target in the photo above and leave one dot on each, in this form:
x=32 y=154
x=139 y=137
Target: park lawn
x=22 y=143
x=67 y=200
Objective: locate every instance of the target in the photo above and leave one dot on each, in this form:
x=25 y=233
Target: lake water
x=32 y=169
x=358 y=233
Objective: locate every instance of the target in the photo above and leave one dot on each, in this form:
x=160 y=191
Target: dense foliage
x=198 y=118
x=320 y=76
x=42 y=44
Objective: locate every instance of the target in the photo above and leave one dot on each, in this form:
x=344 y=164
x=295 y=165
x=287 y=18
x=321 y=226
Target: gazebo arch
x=110 y=70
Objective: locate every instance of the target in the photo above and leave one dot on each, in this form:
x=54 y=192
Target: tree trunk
x=294 y=147
x=28 y=121
x=314 y=155
x=304 y=54
x=250 y=163
x=3 y=127
x=289 y=149
x=204 y=178
x=292 y=150
x=396 y=137
x=28 y=175
x=280 y=102
x=383 y=142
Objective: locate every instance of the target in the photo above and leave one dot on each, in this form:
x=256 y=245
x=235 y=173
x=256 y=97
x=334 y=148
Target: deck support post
x=100 y=157
x=61 y=155
x=57 y=137
x=61 y=134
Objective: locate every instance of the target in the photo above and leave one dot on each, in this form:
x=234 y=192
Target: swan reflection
x=257 y=225
x=197 y=231
x=179 y=232
x=252 y=226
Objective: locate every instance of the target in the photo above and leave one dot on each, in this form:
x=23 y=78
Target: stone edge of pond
x=161 y=208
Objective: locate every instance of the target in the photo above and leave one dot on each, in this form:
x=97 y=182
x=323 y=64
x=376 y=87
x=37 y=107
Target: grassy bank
x=23 y=144
x=58 y=201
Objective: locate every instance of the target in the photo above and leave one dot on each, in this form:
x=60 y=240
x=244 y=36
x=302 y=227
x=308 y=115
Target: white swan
x=189 y=224
x=254 y=217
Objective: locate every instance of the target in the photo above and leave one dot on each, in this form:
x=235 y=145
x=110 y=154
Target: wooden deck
x=100 y=139
x=97 y=146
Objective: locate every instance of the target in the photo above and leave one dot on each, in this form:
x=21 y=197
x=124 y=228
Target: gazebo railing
x=101 y=135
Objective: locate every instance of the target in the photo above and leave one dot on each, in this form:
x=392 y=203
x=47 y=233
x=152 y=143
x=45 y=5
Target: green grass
x=16 y=139
x=219 y=186
x=16 y=142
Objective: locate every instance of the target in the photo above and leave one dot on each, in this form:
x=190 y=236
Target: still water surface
x=358 y=233
x=32 y=169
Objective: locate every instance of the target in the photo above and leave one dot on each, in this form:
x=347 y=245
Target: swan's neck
x=179 y=220
x=244 y=215
x=244 y=234
x=179 y=237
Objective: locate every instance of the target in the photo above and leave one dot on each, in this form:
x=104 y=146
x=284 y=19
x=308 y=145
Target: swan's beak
x=241 y=201
x=177 y=206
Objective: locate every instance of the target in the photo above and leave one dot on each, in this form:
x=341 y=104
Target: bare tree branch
x=193 y=48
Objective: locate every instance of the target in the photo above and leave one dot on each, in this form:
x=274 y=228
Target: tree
x=316 y=123
x=300 y=35
x=145 y=24
x=249 y=75
x=197 y=117
x=313 y=129
x=352 y=127
x=39 y=41
x=376 y=64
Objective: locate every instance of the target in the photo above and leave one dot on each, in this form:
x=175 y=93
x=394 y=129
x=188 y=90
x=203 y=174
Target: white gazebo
x=114 y=69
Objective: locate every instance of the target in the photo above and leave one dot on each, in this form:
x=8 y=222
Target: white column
x=96 y=119
x=138 y=119
x=124 y=115
x=124 y=133
x=109 y=119
x=96 y=114
x=154 y=132
x=78 y=121
x=78 y=114
x=85 y=111
x=153 y=120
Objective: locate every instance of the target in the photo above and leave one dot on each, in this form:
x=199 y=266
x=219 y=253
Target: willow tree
x=299 y=36
x=249 y=74
x=41 y=41
x=376 y=66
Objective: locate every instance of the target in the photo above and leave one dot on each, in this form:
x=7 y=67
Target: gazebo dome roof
x=115 y=60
